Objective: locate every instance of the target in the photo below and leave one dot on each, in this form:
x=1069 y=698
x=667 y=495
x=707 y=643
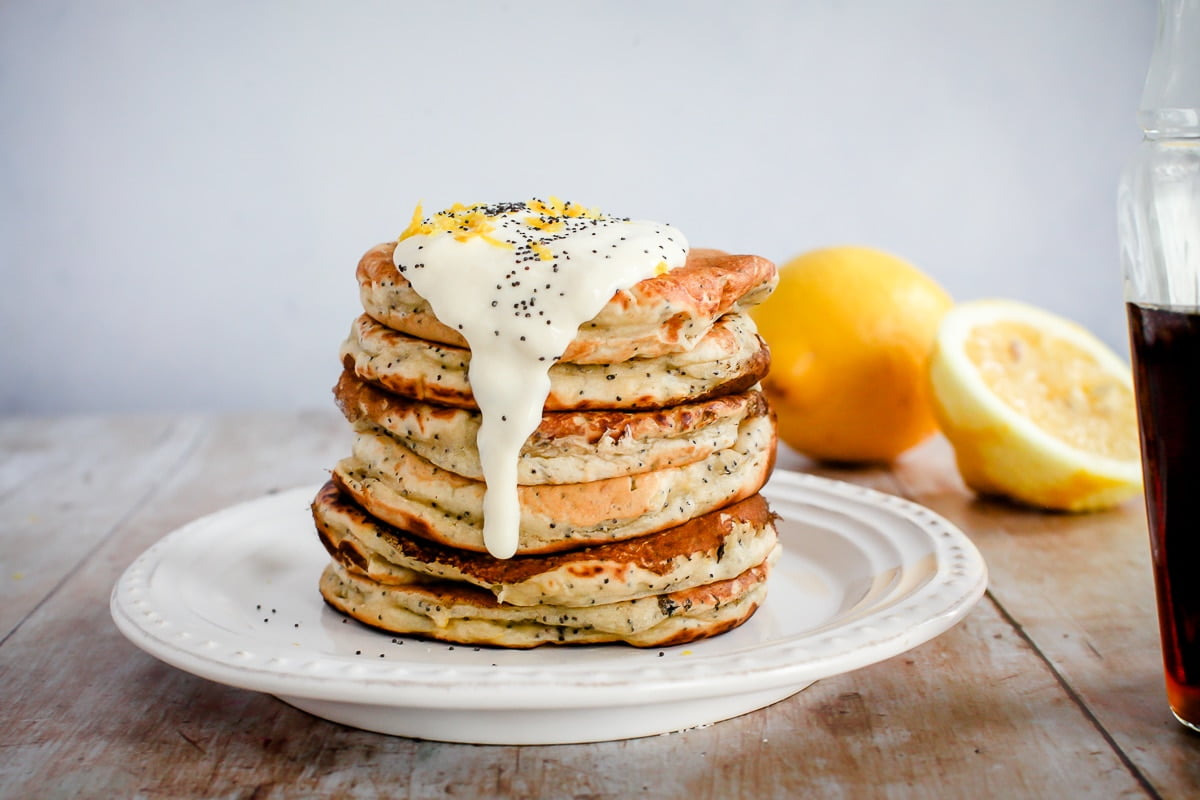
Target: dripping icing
x=517 y=280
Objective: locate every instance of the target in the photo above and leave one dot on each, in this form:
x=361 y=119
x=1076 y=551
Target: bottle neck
x=1170 y=123
x=1170 y=104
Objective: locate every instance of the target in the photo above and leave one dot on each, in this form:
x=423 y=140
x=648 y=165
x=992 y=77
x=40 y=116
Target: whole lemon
x=850 y=330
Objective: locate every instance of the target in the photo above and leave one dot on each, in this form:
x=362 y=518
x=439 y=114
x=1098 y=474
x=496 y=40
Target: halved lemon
x=1037 y=408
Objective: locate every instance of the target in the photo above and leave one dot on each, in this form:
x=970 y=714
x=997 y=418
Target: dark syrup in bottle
x=1165 y=345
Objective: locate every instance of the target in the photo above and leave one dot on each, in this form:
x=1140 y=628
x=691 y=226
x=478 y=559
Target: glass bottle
x=1159 y=226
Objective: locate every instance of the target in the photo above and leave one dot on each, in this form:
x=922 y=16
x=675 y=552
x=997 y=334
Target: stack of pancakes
x=640 y=520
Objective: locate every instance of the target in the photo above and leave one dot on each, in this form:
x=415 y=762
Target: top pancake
x=657 y=316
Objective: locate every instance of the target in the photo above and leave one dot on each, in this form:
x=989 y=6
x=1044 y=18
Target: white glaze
x=517 y=280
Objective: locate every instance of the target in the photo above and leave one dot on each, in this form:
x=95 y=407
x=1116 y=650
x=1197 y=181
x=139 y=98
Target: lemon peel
x=850 y=330
x=1037 y=409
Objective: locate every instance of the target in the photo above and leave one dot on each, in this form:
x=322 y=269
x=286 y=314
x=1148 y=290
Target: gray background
x=186 y=187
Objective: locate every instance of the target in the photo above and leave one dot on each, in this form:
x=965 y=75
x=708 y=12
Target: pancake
x=637 y=514
x=465 y=614
x=400 y=487
x=714 y=546
x=567 y=447
x=729 y=359
x=658 y=316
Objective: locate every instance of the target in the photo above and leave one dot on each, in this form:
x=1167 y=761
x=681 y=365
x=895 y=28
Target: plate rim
x=700 y=676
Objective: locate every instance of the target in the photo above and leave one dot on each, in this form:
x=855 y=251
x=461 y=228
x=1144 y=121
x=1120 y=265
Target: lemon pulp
x=1058 y=386
x=1037 y=409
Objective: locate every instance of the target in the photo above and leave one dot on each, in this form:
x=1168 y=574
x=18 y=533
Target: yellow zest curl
x=556 y=208
x=416 y=225
x=477 y=221
x=460 y=221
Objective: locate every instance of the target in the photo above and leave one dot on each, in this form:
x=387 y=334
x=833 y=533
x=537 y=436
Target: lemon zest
x=461 y=221
x=556 y=208
x=466 y=222
x=416 y=225
x=545 y=224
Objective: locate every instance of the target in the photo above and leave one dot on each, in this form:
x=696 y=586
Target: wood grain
x=1045 y=690
x=65 y=486
x=1080 y=588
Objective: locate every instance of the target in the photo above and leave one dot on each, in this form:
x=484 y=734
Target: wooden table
x=1051 y=687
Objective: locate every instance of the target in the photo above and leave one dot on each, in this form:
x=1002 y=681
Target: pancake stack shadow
x=641 y=518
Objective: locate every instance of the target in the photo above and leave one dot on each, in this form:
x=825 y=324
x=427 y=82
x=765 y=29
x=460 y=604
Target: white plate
x=232 y=597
